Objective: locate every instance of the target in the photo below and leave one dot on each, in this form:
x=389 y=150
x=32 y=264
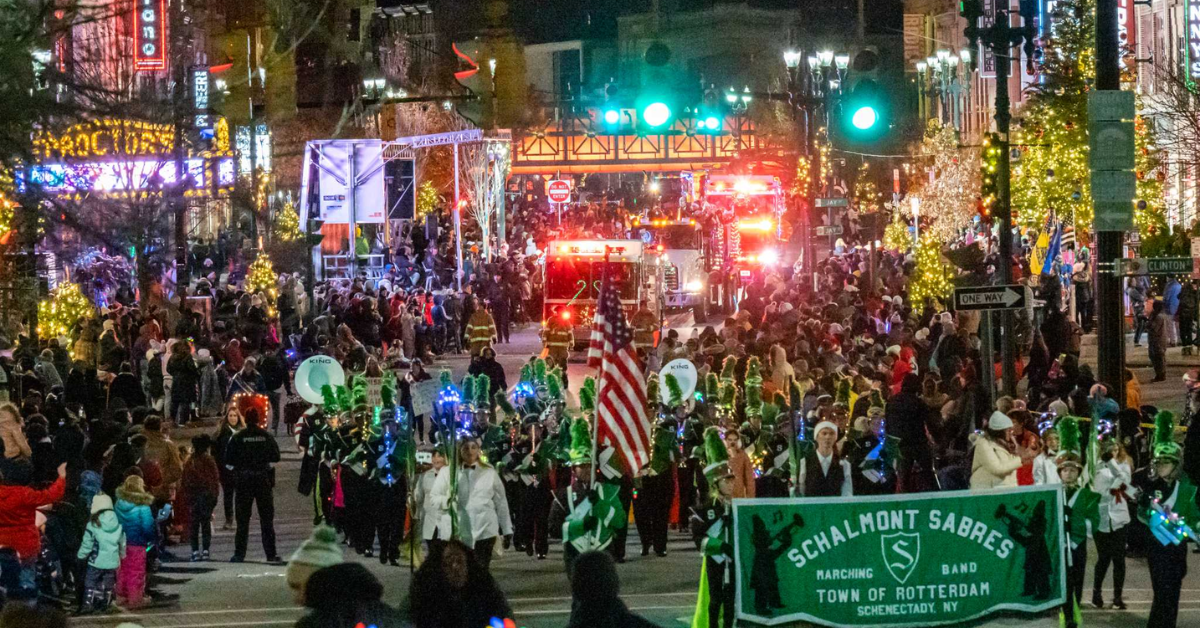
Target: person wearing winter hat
x=1165 y=492
x=712 y=530
x=1045 y=471
x=103 y=548
x=133 y=513
x=823 y=471
x=346 y=594
x=320 y=550
x=995 y=462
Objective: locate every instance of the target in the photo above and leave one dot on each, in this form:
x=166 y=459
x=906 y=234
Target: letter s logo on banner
x=901 y=551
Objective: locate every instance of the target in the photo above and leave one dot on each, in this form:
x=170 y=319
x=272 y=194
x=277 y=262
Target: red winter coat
x=18 y=516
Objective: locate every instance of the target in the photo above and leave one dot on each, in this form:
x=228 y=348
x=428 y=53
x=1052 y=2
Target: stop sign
x=558 y=191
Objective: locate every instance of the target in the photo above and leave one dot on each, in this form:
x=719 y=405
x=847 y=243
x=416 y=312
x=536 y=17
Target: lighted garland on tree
x=260 y=279
x=948 y=197
x=287 y=223
x=932 y=277
x=867 y=197
x=895 y=235
x=427 y=199
x=61 y=313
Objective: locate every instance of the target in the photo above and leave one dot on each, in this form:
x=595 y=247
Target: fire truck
x=746 y=214
x=682 y=259
x=574 y=270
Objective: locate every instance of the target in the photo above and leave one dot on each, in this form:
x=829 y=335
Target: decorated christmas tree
x=867 y=198
x=427 y=199
x=287 y=223
x=59 y=315
x=260 y=279
x=932 y=277
x=950 y=191
x=896 y=236
x=1052 y=173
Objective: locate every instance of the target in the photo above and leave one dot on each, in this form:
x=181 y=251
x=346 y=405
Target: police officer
x=250 y=455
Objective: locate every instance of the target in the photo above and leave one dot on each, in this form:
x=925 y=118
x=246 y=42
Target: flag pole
x=599 y=380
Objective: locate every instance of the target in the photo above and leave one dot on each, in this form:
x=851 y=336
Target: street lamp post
x=946 y=76
x=811 y=92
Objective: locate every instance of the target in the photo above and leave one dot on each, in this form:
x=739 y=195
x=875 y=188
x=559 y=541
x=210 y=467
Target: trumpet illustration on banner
x=1168 y=527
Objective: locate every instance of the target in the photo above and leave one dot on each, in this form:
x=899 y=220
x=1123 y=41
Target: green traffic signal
x=656 y=114
x=864 y=118
x=612 y=116
x=712 y=123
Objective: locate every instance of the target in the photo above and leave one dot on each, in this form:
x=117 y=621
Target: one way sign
x=1011 y=297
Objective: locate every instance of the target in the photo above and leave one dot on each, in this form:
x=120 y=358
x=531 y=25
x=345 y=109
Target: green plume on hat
x=728 y=369
x=501 y=399
x=468 y=389
x=843 y=392
x=795 y=394
x=446 y=378
x=1068 y=434
x=770 y=411
x=581 y=443
x=387 y=393
x=343 y=398
x=554 y=386
x=526 y=372
x=1165 y=448
x=712 y=387
x=562 y=439
x=754 y=382
x=728 y=394
x=483 y=391
x=539 y=371
x=328 y=399
x=714 y=446
x=652 y=391
x=877 y=399
x=716 y=456
x=674 y=391
x=587 y=395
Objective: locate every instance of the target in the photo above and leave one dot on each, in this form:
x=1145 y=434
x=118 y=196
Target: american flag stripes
x=622 y=420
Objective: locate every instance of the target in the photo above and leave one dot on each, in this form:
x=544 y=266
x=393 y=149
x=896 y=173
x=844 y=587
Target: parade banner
x=903 y=560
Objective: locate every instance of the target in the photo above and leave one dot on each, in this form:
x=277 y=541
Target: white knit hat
x=825 y=425
x=999 y=421
x=321 y=549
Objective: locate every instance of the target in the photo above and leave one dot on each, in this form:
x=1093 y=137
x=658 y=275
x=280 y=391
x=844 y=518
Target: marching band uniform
x=1168 y=506
x=656 y=490
x=712 y=530
x=1080 y=510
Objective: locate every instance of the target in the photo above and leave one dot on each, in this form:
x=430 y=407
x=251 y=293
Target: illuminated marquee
x=105 y=138
x=121 y=178
x=1192 y=51
x=149 y=35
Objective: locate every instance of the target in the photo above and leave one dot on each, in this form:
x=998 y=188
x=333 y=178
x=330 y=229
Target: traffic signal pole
x=1110 y=335
x=1000 y=38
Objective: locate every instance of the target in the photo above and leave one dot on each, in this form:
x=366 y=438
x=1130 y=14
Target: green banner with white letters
x=902 y=560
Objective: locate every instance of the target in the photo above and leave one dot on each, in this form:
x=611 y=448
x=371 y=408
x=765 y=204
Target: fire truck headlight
x=694 y=285
x=769 y=257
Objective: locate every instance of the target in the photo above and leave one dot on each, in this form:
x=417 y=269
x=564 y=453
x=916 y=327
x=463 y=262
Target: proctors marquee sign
x=149 y=35
x=896 y=561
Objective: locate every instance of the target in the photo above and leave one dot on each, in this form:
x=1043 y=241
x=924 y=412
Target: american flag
x=621 y=388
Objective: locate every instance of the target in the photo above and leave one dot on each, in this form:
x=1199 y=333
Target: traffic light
x=709 y=115
x=865 y=115
x=654 y=113
x=609 y=116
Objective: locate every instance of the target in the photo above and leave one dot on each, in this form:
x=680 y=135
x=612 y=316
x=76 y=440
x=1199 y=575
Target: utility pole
x=179 y=71
x=1110 y=335
x=1000 y=38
